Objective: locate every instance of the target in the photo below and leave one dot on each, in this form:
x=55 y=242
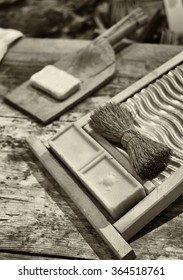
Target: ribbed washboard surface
x=158 y=111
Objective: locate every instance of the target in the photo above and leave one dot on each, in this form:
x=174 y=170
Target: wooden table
x=37 y=222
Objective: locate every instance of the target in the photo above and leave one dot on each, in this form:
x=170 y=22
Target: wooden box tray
x=157 y=103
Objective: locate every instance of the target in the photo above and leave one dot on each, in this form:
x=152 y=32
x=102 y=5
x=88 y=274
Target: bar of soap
x=77 y=149
x=58 y=83
x=114 y=188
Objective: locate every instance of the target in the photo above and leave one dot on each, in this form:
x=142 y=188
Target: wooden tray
x=93 y=65
x=153 y=100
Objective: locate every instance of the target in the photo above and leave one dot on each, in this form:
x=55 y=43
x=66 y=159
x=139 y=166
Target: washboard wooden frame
x=115 y=233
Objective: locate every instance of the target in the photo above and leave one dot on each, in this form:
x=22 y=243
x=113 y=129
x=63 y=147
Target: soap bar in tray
x=111 y=185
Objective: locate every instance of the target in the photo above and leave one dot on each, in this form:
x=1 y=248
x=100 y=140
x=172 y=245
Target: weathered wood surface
x=35 y=220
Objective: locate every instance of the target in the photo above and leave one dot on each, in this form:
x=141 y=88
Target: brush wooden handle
x=126 y=30
x=125 y=26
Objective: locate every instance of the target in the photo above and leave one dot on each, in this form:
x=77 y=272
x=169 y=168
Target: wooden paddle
x=93 y=66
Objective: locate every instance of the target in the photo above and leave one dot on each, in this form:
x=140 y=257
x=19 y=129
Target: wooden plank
x=121 y=249
x=26 y=47
x=93 y=66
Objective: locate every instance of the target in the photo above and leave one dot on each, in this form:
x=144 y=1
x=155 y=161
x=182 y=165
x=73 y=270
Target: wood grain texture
x=35 y=219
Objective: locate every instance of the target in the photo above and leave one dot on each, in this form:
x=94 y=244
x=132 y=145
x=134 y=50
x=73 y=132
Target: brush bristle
x=115 y=123
x=148 y=157
x=111 y=120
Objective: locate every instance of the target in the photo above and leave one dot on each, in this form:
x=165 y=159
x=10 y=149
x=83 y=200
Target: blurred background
x=85 y=19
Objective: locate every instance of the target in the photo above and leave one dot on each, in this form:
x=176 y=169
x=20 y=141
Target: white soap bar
x=102 y=175
x=112 y=185
x=55 y=82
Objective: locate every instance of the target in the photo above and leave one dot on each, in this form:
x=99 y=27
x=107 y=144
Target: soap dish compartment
x=109 y=182
x=74 y=147
x=116 y=189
